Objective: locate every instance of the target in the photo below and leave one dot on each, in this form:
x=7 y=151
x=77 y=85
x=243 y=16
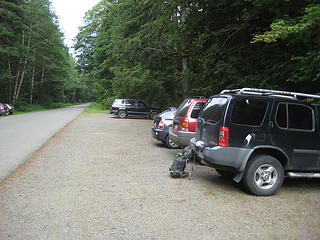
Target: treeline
x=162 y=51
x=35 y=66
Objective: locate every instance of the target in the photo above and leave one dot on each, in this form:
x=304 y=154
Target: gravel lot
x=107 y=178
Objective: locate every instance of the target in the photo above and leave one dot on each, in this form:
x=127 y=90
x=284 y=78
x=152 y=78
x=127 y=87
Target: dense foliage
x=162 y=51
x=35 y=66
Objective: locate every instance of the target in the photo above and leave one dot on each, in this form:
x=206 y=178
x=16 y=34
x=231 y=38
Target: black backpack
x=179 y=164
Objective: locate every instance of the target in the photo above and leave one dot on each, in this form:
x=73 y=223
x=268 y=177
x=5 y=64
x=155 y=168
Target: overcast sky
x=71 y=13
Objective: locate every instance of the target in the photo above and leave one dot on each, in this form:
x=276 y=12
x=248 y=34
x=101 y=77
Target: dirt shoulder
x=107 y=178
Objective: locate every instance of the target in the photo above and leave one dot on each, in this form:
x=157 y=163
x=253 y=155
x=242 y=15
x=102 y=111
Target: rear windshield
x=182 y=110
x=249 y=112
x=213 y=109
x=117 y=101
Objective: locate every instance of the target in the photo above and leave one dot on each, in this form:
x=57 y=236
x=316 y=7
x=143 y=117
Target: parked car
x=161 y=125
x=3 y=110
x=259 y=136
x=10 y=109
x=185 y=121
x=125 y=107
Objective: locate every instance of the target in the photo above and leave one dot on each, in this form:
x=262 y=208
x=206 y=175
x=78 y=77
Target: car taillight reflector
x=185 y=125
x=161 y=125
x=224 y=137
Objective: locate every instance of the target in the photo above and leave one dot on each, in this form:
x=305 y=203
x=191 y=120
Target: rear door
x=296 y=131
x=210 y=120
x=142 y=108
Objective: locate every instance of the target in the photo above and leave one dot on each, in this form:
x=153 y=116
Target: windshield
x=213 y=109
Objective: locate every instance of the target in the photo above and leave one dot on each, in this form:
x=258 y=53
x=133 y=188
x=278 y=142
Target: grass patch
x=96 y=108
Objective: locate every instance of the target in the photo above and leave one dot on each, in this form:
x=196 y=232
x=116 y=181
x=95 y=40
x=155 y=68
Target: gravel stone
x=107 y=178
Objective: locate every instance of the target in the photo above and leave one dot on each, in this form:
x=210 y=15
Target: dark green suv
x=259 y=136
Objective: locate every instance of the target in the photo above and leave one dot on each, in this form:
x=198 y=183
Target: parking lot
x=107 y=178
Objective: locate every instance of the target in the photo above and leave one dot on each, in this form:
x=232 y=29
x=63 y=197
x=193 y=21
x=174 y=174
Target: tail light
x=161 y=125
x=224 y=137
x=185 y=125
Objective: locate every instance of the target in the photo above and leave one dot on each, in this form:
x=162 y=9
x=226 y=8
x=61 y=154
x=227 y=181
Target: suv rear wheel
x=263 y=175
x=122 y=114
x=153 y=115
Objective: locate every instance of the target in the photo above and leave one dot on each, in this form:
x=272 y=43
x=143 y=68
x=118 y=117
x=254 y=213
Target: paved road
x=22 y=135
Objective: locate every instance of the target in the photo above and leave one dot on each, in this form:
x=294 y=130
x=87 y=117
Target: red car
x=185 y=121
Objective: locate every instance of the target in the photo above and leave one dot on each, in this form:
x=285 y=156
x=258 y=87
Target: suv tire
x=122 y=114
x=153 y=115
x=170 y=144
x=263 y=175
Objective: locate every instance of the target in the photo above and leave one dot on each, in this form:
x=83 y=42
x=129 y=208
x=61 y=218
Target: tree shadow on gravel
x=132 y=117
x=216 y=182
x=301 y=184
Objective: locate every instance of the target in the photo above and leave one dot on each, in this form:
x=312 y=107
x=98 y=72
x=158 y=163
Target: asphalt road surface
x=22 y=135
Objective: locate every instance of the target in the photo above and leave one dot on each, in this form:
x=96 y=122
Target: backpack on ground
x=179 y=164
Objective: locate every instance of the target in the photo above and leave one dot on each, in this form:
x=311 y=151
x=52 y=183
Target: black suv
x=259 y=136
x=125 y=107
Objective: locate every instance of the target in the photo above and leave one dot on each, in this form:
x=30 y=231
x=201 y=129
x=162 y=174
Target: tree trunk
x=20 y=81
x=32 y=78
x=42 y=76
x=185 y=67
x=186 y=79
x=14 y=97
x=10 y=80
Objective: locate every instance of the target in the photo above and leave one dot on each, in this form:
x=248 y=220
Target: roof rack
x=268 y=92
x=198 y=97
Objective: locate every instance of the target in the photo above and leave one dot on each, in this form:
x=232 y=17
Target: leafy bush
x=96 y=108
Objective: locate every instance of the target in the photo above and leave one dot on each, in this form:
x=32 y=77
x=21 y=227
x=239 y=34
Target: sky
x=70 y=14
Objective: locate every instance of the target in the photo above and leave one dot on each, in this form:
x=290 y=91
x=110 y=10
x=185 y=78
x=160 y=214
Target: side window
x=281 y=117
x=249 y=112
x=196 y=109
x=295 y=116
x=130 y=102
x=300 y=117
x=141 y=104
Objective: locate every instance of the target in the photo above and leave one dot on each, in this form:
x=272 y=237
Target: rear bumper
x=232 y=157
x=159 y=134
x=181 y=138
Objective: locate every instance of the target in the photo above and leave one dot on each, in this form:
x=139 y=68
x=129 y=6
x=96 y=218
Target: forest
x=159 y=51
x=35 y=65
